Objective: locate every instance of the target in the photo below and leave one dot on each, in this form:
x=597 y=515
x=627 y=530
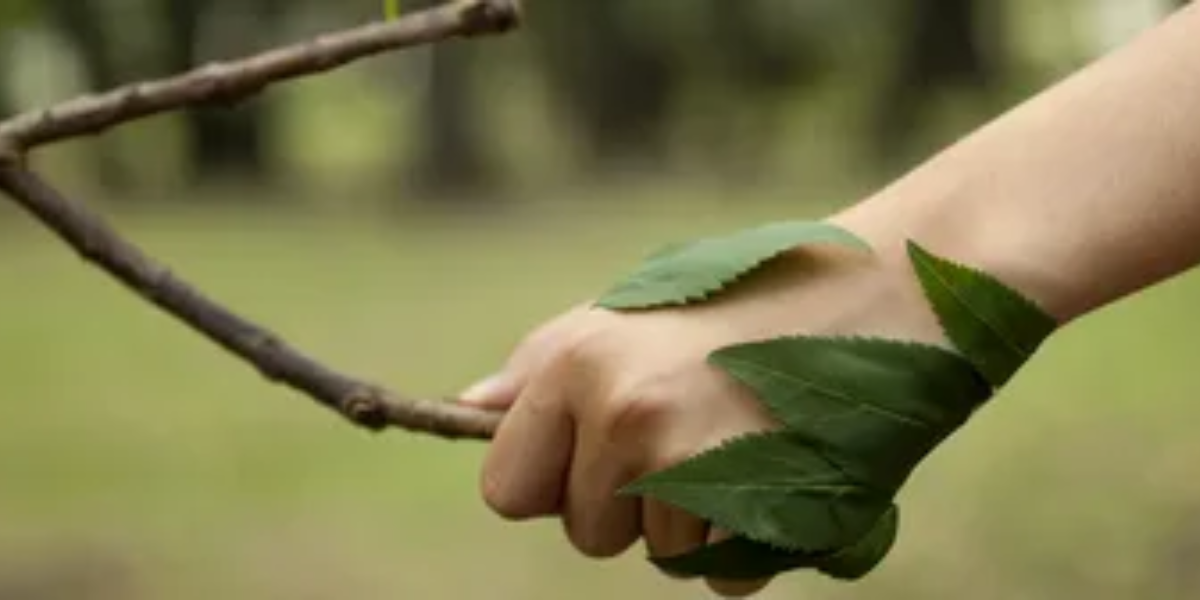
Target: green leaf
x=771 y=488
x=741 y=558
x=391 y=8
x=856 y=561
x=683 y=273
x=875 y=406
x=736 y=558
x=995 y=327
x=858 y=414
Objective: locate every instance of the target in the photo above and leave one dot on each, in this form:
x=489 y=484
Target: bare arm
x=1079 y=197
x=1083 y=195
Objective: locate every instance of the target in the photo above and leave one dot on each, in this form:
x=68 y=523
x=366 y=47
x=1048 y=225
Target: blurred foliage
x=597 y=89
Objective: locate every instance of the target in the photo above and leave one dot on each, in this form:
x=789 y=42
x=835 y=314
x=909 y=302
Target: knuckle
x=582 y=345
x=668 y=457
x=636 y=412
x=501 y=499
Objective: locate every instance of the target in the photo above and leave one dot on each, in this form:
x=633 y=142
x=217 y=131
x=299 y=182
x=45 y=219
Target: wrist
x=949 y=218
x=1078 y=198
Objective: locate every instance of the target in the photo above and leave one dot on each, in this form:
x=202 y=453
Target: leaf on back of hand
x=994 y=326
x=770 y=488
x=875 y=406
x=688 y=272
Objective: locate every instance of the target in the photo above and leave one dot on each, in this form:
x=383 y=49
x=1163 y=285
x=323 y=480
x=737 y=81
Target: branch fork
x=366 y=404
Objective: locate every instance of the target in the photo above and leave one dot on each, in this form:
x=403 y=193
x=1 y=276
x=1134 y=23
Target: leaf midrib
x=1000 y=333
x=833 y=394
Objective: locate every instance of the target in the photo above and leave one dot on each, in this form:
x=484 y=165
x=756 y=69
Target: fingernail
x=483 y=391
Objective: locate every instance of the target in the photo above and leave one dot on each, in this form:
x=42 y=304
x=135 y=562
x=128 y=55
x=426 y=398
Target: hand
x=597 y=398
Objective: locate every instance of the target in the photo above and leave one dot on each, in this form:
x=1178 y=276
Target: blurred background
x=409 y=218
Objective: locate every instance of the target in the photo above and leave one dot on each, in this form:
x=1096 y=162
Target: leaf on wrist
x=682 y=273
x=875 y=406
x=994 y=326
x=858 y=415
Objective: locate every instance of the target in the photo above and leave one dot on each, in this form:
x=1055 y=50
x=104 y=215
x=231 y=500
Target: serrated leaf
x=736 y=558
x=875 y=406
x=856 y=561
x=994 y=326
x=689 y=272
x=771 y=488
x=740 y=558
x=668 y=249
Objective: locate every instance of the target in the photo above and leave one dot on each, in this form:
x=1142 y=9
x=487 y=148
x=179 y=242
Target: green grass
x=125 y=437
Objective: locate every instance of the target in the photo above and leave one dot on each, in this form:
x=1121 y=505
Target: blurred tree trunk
x=452 y=159
x=946 y=44
x=762 y=64
x=223 y=142
x=80 y=21
x=616 y=86
x=752 y=56
x=8 y=106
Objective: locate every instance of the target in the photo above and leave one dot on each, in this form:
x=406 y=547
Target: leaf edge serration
x=624 y=296
x=652 y=485
x=930 y=269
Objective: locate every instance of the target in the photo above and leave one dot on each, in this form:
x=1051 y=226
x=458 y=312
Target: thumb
x=495 y=392
x=500 y=390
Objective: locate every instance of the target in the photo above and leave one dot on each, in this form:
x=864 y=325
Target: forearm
x=1081 y=196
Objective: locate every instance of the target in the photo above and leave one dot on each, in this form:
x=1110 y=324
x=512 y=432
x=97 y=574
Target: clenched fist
x=598 y=398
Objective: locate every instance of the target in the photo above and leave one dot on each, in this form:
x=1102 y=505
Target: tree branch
x=229 y=82
x=365 y=404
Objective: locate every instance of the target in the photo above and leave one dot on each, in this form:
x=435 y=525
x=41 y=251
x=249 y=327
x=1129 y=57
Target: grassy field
x=137 y=461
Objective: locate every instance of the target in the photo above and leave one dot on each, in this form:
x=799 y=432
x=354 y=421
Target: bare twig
x=228 y=82
x=365 y=404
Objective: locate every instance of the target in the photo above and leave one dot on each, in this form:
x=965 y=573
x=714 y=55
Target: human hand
x=597 y=398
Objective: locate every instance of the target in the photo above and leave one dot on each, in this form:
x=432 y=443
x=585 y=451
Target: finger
x=669 y=531
x=526 y=466
x=500 y=390
x=599 y=523
x=496 y=392
x=732 y=588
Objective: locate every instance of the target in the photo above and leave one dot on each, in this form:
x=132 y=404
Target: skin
x=1081 y=197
